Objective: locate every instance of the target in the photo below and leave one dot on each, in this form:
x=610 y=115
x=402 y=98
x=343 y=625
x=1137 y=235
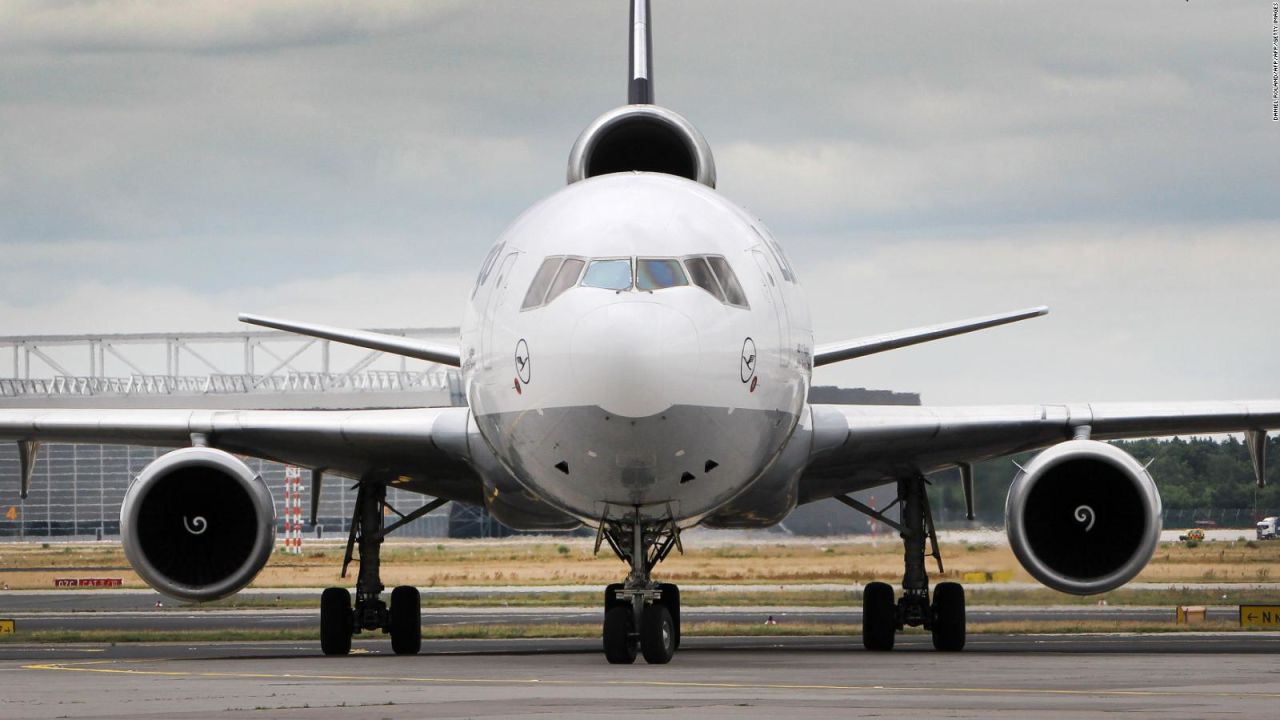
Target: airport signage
x=87 y=582
x=1265 y=616
x=8 y=626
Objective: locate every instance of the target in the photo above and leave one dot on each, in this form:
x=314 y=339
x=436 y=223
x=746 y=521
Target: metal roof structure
x=249 y=369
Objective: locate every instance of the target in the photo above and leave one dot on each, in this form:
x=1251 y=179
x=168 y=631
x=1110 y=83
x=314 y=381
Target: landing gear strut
x=338 y=619
x=881 y=617
x=640 y=614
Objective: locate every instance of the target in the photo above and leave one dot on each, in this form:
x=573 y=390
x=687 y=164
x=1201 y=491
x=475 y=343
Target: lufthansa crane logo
x=747 y=363
x=1084 y=514
x=523 y=369
x=196 y=526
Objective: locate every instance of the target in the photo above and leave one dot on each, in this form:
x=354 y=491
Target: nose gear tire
x=619 y=647
x=657 y=635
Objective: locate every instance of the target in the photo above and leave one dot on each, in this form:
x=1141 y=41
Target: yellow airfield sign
x=7 y=627
x=1267 y=616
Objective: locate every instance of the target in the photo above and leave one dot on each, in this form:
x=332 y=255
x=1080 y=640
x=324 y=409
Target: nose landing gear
x=640 y=616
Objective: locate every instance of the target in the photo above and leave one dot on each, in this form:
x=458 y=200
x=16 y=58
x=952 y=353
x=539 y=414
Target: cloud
x=1137 y=312
x=225 y=25
x=387 y=299
x=166 y=165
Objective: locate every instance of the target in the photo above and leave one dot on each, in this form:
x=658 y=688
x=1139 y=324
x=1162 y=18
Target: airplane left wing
x=861 y=446
x=429 y=447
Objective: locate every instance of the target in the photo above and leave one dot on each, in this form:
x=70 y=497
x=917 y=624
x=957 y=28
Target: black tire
x=657 y=635
x=879 y=617
x=335 y=621
x=611 y=596
x=406 y=620
x=948 y=617
x=619 y=649
x=671 y=598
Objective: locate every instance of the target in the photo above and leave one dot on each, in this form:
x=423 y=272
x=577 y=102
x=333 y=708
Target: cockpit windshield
x=560 y=273
x=659 y=273
x=613 y=274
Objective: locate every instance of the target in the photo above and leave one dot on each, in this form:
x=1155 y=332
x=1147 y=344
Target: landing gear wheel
x=619 y=649
x=657 y=635
x=335 y=621
x=406 y=620
x=948 y=617
x=879 y=616
x=671 y=598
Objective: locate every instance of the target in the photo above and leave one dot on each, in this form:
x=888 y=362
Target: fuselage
x=636 y=340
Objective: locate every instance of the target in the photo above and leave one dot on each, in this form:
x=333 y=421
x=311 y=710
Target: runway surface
x=132 y=612
x=1166 y=676
x=267 y=619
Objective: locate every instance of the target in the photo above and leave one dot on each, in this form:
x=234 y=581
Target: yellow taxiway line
x=96 y=666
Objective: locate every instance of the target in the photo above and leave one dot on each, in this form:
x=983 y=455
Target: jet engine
x=1083 y=517
x=198 y=524
x=646 y=138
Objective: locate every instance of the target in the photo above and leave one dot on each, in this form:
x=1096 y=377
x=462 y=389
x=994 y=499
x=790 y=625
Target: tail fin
x=640 y=84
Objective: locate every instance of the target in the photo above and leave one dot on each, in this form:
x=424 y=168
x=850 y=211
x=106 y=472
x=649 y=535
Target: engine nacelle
x=198 y=524
x=646 y=138
x=1083 y=517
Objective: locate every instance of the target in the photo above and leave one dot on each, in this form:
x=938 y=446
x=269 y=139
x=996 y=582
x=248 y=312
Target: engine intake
x=1083 y=517
x=198 y=524
x=645 y=138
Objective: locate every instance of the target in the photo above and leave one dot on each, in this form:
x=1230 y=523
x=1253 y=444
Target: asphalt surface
x=137 y=611
x=1165 y=676
x=270 y=619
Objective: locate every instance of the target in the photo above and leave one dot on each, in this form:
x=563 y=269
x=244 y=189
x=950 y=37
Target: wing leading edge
x=860 y=446
x=828 y=353
x=429 y=447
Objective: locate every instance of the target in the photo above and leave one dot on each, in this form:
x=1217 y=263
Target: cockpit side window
x=612 y=274
x=566 y=278
x=541 y=282
x=659 y=273
x=702 y=276
x=486 y=267
x=728 y=280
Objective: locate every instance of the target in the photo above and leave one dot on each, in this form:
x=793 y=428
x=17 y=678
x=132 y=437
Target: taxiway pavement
x=1166 y=676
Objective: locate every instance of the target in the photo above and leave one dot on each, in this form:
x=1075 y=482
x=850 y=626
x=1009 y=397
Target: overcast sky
x=165 y=165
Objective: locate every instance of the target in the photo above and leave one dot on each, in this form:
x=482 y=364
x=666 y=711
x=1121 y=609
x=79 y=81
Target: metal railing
x=219 y=384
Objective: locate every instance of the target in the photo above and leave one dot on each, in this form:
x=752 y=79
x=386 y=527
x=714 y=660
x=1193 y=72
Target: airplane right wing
x=861 y=446
x=429 y=447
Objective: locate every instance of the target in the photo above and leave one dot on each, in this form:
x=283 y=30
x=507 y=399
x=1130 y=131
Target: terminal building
x=76 y=490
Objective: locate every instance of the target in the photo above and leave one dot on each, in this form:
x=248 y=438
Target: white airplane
x=637 y=357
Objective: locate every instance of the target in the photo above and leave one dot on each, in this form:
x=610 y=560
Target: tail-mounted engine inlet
x=642 y=138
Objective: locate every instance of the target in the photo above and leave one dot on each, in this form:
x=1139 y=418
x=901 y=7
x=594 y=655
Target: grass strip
x=974 y=594
x=564 y=630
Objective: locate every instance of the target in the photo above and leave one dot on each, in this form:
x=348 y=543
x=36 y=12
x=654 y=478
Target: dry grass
x=540 y=562
x=563 y=630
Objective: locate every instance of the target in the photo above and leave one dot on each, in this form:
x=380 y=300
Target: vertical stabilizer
x=640 y=82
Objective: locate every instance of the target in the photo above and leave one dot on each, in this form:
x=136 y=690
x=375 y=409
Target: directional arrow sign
x=1266 y=616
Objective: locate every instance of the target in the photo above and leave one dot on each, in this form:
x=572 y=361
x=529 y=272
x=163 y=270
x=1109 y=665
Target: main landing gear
x=403 y=618
x=881 y=616
x=640 y=616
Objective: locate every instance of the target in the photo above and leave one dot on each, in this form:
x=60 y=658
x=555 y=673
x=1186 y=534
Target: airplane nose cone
x=635 y=356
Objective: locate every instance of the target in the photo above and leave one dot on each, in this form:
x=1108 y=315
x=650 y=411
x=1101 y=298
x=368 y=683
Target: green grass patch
x=564 y=630
x=975 y=595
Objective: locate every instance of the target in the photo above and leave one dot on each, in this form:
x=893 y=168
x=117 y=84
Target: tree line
x=1191 y=473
